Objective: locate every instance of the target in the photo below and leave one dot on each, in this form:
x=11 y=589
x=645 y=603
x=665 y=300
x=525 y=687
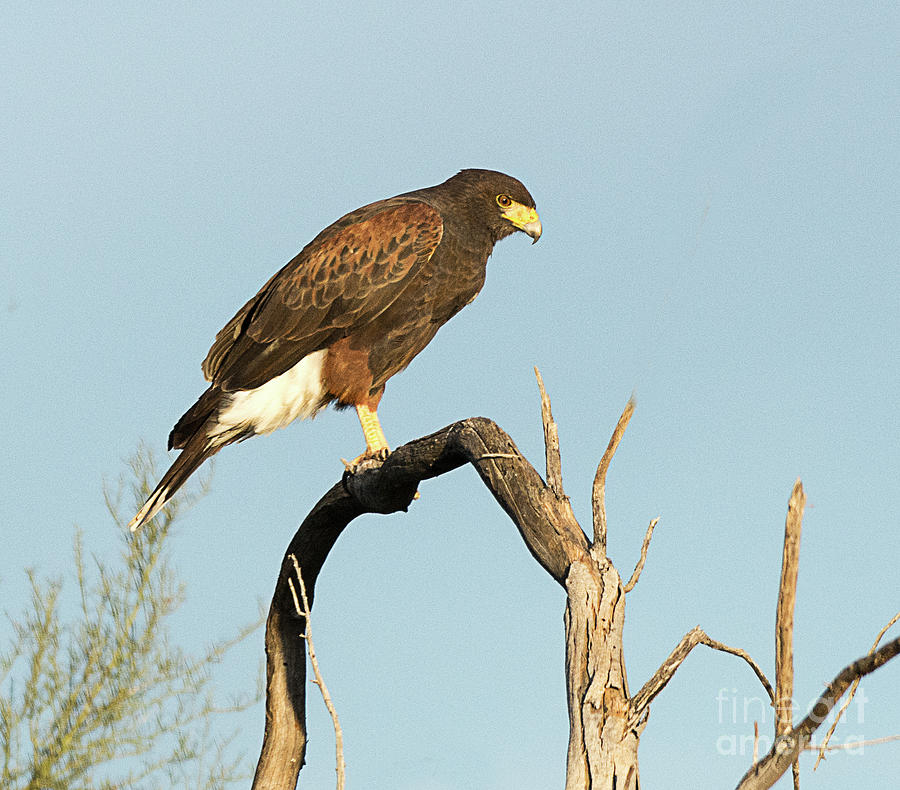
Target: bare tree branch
x=787 y=747
x=824 y=747
x=551 y=441
x=636 y=573
x=696 y=636
x=598 y=493
x=784 y=619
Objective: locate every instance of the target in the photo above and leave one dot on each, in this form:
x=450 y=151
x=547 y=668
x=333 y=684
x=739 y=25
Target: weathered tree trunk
x=602 y=743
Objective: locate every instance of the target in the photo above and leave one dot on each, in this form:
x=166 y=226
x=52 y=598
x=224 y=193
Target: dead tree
x=605 y=718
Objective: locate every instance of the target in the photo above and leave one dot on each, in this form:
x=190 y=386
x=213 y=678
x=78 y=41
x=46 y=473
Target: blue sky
x=718 y=189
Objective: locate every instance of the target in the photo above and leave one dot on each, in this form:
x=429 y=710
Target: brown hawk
x=351 y=310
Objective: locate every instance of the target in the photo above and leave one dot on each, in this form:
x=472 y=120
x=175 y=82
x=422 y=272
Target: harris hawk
x=348 y=312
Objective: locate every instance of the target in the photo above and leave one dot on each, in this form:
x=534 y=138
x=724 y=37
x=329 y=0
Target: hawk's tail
x=196 y=450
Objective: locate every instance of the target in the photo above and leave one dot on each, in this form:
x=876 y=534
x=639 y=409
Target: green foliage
x=95 y=695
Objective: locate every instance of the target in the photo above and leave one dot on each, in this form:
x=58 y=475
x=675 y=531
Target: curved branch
x=544 y=520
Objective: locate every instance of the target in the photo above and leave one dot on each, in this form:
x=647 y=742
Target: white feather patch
x=298 y=392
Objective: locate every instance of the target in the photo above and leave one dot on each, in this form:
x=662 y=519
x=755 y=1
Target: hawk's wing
x=343 y=279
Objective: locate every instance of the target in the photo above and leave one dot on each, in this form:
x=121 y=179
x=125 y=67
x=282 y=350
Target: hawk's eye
x=504 y=201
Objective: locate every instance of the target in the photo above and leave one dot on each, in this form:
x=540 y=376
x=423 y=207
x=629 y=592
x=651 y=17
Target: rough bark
x=602 y=742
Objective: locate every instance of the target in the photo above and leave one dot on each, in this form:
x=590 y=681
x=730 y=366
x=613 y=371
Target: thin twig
x=338 y=732
x=598 y=492
x=551 y=441
x=812 y=747
x=636 y=574
x=755 y=742
x=740 y=653
x=846 y=704
x=784 y=619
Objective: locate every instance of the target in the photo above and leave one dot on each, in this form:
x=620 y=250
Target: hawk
x=348 y=312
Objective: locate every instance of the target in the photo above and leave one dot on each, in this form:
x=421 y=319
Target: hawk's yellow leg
x=376 y=443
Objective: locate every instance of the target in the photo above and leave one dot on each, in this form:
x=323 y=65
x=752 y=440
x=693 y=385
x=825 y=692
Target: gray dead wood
x=605 y=720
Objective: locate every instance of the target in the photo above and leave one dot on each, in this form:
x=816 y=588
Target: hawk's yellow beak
x=525 y=219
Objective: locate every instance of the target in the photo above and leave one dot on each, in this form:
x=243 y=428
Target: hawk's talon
x=366 y=460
